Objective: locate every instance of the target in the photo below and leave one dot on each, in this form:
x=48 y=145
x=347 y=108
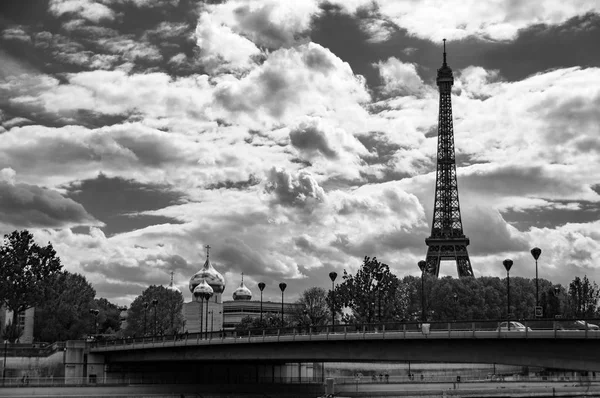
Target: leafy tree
x=312 y=308
x=109 y=317
x=25 y=268
x=64 y=315
x=371 y=293
x=269 y=321
x=582 y=298
x=169 y=317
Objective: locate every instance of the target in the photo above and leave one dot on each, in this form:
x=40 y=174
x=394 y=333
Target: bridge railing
x=457 y=329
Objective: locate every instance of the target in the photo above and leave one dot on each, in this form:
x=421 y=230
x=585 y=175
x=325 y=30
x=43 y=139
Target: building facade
x=223 y=315
x=25 y=321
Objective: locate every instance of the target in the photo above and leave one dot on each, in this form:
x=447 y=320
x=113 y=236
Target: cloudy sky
x=296 y=137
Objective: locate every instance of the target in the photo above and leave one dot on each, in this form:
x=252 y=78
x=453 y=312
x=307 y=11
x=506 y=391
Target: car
x=576 y=325
x=581 y=325
x=514 y=326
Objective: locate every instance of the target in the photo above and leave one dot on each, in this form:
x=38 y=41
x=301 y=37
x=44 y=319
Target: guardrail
x=32 y=350
x=417 y=378
x=528 y=328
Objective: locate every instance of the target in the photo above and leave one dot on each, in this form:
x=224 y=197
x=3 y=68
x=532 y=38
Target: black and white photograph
x=299 y=198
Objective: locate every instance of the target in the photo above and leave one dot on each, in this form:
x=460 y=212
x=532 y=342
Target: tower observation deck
x=447 y=240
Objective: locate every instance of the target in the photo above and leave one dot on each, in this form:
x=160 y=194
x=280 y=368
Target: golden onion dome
x=242 y=292
x=203 y=291
x=214 y=279
x=171 y=287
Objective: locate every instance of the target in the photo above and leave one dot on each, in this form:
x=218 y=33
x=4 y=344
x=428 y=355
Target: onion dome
x=242 y=292
x=214 y=279
x=124 y=314
x=171 y=287
x=203 y=291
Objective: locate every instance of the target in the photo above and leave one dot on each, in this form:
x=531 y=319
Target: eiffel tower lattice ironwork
x=447 y=240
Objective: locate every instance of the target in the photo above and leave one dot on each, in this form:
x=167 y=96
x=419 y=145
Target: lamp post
x=261 y=286
x=4 y=367
x=95 y=313
x=507 y=264
x=145 y=305
x=154 y=304
x=207 y=297
x=282 y=286
x=455 y=297
x=203 y=292
x=535 y=252
x=557 y=295
x=422 y=266
x=379 y=281
x=332 y=276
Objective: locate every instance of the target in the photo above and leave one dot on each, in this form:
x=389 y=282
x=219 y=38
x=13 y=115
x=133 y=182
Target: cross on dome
x=207 y=249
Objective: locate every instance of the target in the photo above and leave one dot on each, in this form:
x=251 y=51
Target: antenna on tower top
x=444 y=52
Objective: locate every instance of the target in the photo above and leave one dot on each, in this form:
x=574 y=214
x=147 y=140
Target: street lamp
x=154 y=303
x=332 y=276
x=95 y=313
x=535 y=252
x=422 y=266
x=145 y=305
x=379 y=281
x=261 y=286
x=507 y=264
x=4 y=367
x=282 y=286
x=203 y=292
x=557 y=295
x=455 y=297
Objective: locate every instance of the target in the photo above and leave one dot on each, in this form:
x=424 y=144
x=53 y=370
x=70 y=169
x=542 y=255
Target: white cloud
x=292 y=83
x=88 y=9
x=221 y=49
x=458 y=19
x=399 y=78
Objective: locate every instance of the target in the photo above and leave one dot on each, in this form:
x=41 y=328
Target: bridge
x=540 y=344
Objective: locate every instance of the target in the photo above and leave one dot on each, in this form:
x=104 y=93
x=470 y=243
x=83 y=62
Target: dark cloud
x=103 y=36
x=557 y=213
x=235 y=255
x=145 y=270
x=511 y=180
x=116 y=200
x=535 y=49
x=29 y=206
x=228 y=184
x=311 y=139
x=380 y=148
x=566 y=121
x=304 y=244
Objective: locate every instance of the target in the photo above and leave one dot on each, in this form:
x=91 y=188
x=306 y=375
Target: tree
x=583 y=298
x=312 y=309
x=169 y=317
x=25 y=268
x=64 y=314
x=109 y=317
x=371 y=293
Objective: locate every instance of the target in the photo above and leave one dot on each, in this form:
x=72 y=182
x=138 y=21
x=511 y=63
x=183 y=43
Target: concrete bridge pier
x=82 y=366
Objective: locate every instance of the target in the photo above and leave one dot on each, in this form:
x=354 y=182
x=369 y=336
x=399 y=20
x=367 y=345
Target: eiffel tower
x=447 y=240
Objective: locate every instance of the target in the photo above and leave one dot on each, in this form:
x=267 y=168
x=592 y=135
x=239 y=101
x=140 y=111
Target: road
x=479 y=389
